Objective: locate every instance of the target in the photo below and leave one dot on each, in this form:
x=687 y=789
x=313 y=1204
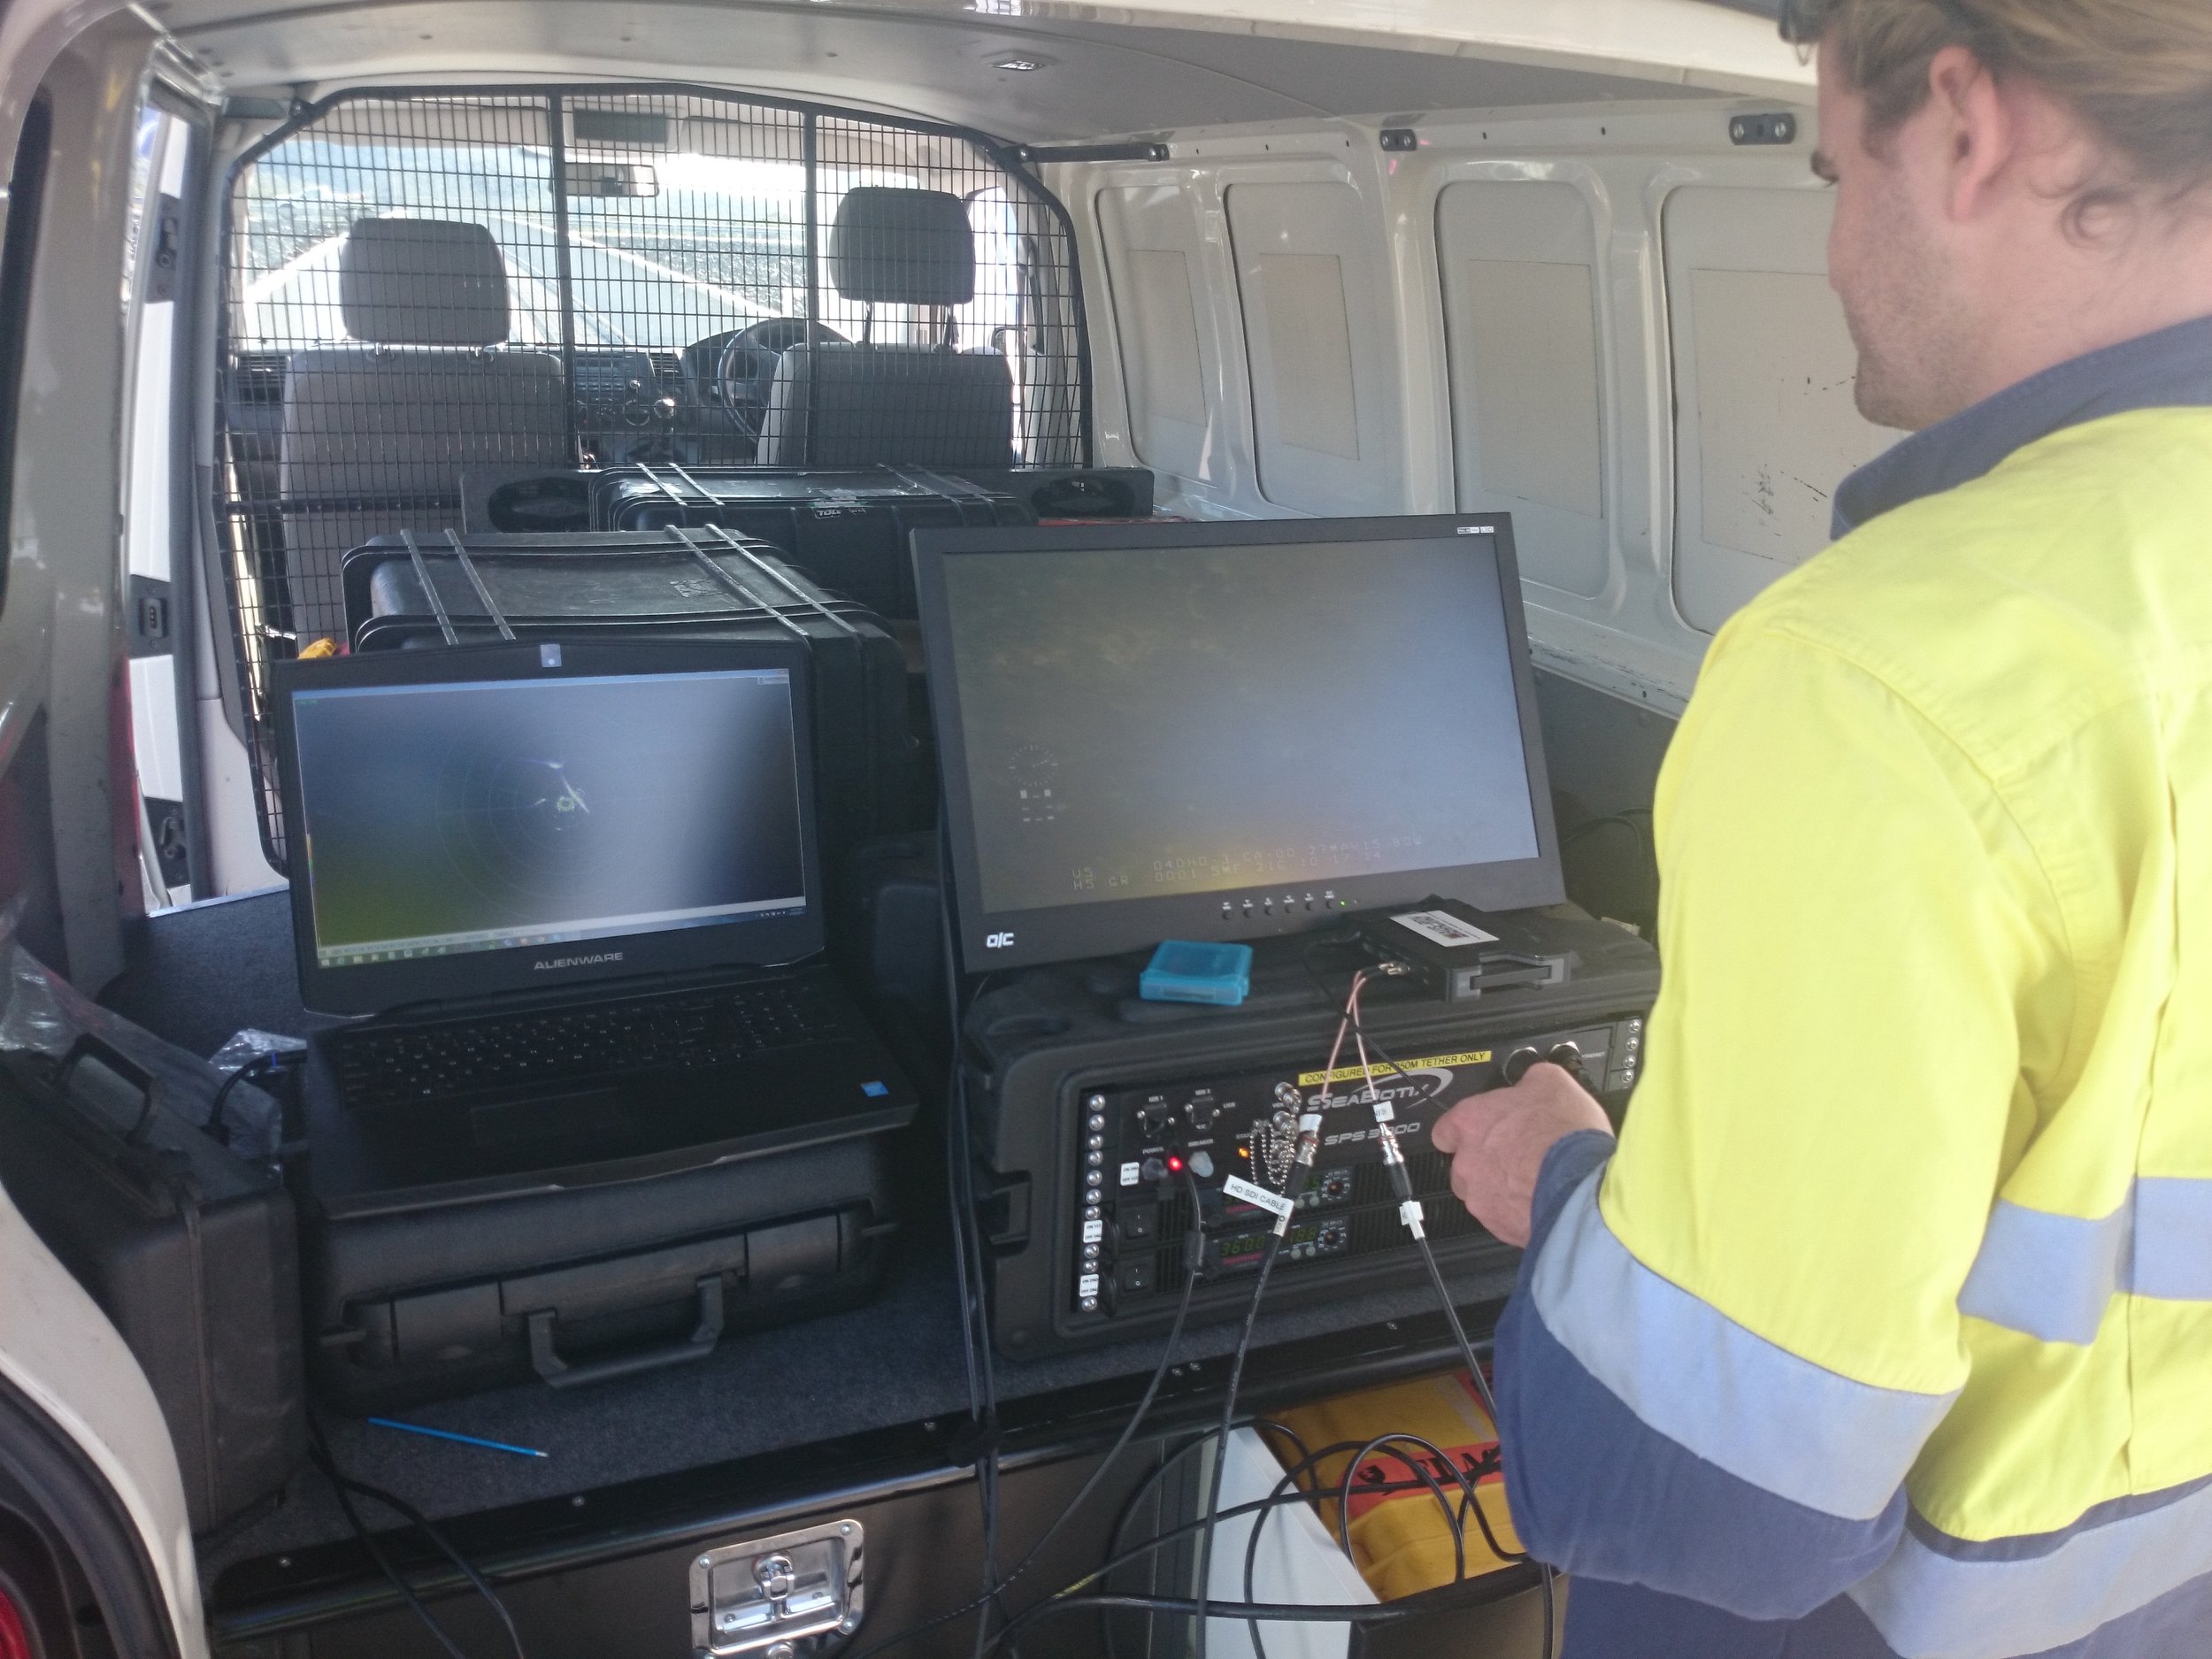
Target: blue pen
x=465 y=1439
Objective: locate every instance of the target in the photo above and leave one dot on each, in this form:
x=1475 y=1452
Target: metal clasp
x=778 y=1597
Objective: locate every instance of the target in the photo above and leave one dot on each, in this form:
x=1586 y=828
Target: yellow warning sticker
x=1434 y=1062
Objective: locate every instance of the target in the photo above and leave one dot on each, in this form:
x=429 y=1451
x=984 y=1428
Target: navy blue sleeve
x=1600 y=1490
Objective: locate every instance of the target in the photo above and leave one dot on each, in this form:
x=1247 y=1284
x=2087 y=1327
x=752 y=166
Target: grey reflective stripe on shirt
x=1785 y=1424
x=1941 y=1598
x=2173 y=1238
x=2049 y=1275
x=2053 y=1276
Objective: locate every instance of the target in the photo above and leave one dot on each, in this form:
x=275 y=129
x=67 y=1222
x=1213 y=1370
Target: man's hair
x=2137 y=72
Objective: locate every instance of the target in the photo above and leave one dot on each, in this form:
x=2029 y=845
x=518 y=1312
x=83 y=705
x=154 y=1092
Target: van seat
x=376 y=435
x=873 y=404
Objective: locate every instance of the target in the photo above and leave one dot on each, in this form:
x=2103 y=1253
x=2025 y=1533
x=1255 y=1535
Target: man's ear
x=1972 y=130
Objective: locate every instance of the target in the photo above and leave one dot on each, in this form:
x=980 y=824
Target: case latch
x=778 y=1597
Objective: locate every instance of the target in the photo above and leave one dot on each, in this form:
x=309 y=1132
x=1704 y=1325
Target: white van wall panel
x=1154 y=261
x=1163 y=365
x=1765 y=422
x=1169 y=323
x=1518 y=262
x=1308 y=360
x=1581 y=419
x=1320 y=337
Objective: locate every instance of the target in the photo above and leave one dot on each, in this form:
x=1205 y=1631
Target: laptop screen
x=513 y=826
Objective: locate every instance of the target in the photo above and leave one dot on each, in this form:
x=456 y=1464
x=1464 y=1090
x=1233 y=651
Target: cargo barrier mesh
x=437 y=299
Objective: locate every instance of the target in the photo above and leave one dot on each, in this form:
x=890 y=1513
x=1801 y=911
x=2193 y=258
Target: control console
x=1101 y=1119
x=1146 y=1149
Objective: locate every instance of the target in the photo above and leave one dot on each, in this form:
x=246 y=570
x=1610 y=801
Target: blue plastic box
x=1183 y=971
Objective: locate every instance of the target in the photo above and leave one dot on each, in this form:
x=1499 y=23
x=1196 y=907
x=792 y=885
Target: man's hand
x=1497 y=1141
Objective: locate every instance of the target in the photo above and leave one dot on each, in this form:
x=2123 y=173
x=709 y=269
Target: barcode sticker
x=1248 y=1193
x=1442 y=927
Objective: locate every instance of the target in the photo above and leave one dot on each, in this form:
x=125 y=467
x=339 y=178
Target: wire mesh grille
x=434 y=297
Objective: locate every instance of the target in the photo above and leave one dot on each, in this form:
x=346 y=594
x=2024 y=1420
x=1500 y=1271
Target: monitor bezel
x=744 y=943
x=1007 y=939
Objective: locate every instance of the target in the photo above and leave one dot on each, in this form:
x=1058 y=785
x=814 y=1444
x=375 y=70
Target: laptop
x=571 y=893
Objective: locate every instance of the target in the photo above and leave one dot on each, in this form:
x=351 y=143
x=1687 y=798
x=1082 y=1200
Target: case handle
x=91 y=1044
x=558 y=1372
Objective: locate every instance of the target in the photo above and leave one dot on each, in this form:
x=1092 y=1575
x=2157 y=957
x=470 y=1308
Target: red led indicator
x=1175 y=1164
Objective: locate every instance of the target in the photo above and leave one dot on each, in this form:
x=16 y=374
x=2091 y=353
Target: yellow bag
x=1400 y=1541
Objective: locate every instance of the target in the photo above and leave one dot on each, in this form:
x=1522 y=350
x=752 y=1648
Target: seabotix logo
x=542 y=963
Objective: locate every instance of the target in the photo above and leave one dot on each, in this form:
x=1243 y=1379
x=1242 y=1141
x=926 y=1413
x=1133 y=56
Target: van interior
x=477 y=323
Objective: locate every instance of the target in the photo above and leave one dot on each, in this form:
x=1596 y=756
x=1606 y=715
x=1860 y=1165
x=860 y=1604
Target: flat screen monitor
x=1227 y=730
x=474 y=821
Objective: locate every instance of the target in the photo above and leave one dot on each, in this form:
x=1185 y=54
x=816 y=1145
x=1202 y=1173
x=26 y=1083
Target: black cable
x=1228 y=1424
x=968 y=1252
x=960 y=1265
x=1489 y=1404
x=968 y=1264
x=1290 y=1476
x=1258 y=1505
x=1127 y=1513
x=1466 y=1349
x=1251 y=1563
x=1482 y=1386
x=1118 y=1556
x=344 y=1485
x=1285 y=1612
x=1098 y=1475
x=1277 y=1499
x=1381 y=1441
x=1194 y=1247
x=238 y=1075
x=260 y=1066
x=384 y=1565
x=1497 y=1426
x=1152 y=1478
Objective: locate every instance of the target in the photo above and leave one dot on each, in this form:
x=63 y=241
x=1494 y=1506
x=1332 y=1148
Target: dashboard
x=630 y=405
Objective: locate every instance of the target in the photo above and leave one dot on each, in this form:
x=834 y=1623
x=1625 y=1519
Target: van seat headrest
x=422 y=282
x=903 y=247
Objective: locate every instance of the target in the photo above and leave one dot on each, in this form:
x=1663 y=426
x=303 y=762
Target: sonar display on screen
x=1140 y=722
x=493 y=814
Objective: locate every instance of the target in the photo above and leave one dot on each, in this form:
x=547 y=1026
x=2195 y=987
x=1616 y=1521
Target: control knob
x=1567 y=1058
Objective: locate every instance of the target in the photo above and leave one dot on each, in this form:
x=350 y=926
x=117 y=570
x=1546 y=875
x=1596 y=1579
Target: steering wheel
x=746 y=368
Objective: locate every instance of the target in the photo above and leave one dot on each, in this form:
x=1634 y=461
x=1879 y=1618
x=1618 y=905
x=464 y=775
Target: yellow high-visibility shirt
x=1908 y=1234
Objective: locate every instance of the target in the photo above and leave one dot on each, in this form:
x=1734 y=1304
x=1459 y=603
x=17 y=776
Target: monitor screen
x=435 y=825
x=1219 y=729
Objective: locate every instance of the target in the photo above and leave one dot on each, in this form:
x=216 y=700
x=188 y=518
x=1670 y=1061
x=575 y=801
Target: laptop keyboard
x=395 y=1065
